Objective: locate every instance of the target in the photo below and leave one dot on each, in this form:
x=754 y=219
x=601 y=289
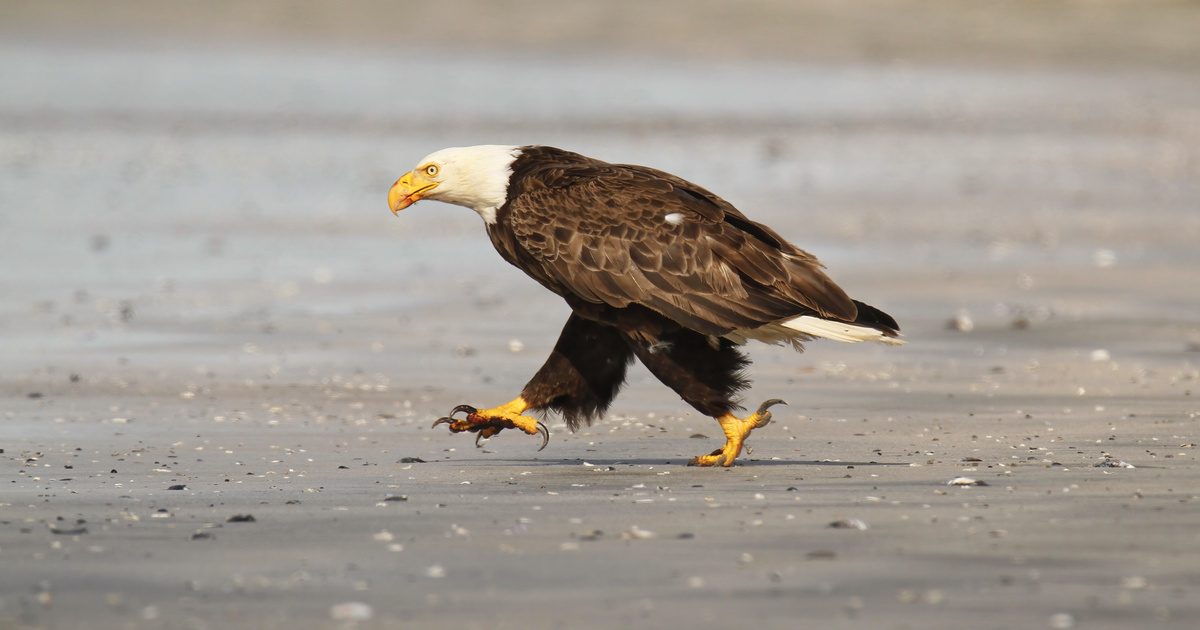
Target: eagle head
x=474 y=177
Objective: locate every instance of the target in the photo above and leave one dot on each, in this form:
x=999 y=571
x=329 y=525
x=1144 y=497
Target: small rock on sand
x=351 y=611
x=961 y=322
x=966 y=481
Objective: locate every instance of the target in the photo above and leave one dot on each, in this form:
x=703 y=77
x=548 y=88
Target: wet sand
x=204 y=290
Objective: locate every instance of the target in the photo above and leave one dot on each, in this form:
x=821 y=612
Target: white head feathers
x=475 y=177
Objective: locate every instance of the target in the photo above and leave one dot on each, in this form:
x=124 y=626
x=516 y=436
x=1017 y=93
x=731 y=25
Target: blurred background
x=198 y=269
x=190 y=184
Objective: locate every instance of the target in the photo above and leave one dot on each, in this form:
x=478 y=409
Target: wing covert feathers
x=620 y=235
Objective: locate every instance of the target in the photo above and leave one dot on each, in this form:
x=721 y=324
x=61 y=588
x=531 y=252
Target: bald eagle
x=653 y=267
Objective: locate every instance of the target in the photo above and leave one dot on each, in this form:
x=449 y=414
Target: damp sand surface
x=208 y=313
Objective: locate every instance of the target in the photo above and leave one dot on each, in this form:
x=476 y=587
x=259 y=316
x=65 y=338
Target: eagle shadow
x=682 y=462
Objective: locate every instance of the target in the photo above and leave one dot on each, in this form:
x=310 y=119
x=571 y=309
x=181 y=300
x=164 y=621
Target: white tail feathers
x=838 y=331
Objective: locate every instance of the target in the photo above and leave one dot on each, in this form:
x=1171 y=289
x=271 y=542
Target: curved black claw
x=467 y=408
x=449 y=418
x=770 y=403
x=764 y=416
x=545 y=435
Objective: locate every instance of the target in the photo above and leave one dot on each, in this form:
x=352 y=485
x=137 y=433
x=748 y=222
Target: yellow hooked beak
x=408 y=190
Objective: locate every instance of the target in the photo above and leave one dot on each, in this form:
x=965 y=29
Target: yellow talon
x=512 y=411
x=736 y=431
x=488 y=422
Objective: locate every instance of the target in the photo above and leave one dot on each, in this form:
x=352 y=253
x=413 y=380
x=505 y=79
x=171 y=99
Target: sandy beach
x=221 y=354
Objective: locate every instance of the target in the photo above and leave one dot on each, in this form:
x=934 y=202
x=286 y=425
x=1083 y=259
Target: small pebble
x=637 y=533
x=1134 y=583
x=961 y=322
x=351 y=611
x=1104 y=258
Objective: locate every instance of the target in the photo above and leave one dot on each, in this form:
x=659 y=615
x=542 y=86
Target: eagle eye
x=431 y=170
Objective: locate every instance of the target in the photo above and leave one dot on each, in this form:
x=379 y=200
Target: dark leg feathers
x=587 y=368
x=583 y=374
x=708 y=378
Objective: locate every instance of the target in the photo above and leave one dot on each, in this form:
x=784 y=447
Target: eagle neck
x=500 y=232
x=487 y=213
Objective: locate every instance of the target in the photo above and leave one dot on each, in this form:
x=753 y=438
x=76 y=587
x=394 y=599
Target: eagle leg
x=736 y=431
x=488 y=422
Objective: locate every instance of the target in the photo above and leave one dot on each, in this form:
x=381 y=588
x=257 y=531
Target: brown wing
x=622 y=235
